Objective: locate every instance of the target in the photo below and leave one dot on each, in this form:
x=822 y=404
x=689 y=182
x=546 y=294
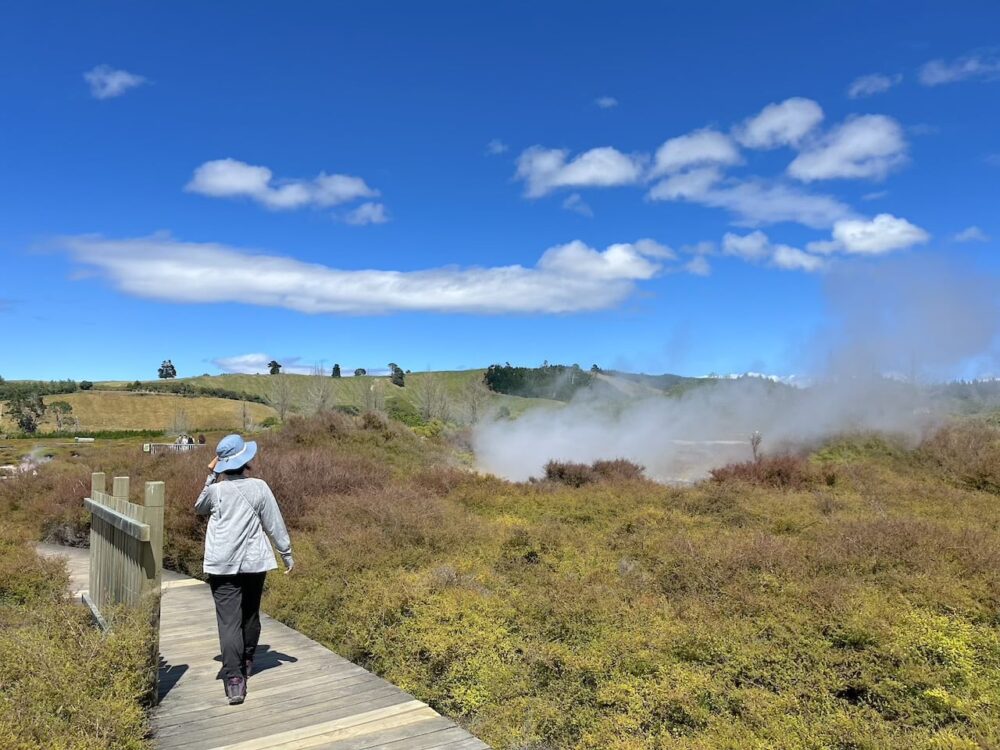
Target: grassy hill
x=121 y=410
x=346 y=391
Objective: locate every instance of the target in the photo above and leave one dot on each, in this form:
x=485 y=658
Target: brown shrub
x=299 y=475
x=781 y=472
x=315 y=430
x=969 y=453
x=577 y=475
x=371 y=420
x=617 y=469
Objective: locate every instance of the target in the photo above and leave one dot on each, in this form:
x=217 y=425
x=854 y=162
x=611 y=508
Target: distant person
x=201 y=439
x=241 y=511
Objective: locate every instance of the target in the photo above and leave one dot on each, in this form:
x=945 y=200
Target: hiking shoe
x=236 y=690
x=247 y=667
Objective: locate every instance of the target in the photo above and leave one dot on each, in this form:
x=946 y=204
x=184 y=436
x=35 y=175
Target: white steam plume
x=909 y=319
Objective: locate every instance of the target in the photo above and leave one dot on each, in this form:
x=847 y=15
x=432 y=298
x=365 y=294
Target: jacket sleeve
x=274 y=525
x=203 y=505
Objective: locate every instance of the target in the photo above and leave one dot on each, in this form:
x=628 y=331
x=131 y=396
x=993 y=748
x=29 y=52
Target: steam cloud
x=909 y=320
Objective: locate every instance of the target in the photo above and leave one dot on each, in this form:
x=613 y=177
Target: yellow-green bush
x=63 y=683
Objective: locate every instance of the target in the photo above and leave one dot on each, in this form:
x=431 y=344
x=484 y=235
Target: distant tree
x=360 y=371
x=397 y=376
x=430 y=397
x=167 y=370
x=319 y=392
x=27 y=410
x=274 y=367
x=474 y=397
x=62 y=411
x=280 y=395
x=335 y=373
x=595 y=368
x=86 y=385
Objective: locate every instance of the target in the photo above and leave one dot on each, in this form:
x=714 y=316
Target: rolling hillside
x=121 y=410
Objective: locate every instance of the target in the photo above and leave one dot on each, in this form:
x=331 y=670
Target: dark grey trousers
x=237 y=611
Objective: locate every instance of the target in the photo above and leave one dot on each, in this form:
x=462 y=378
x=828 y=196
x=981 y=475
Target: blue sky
x=649 y=186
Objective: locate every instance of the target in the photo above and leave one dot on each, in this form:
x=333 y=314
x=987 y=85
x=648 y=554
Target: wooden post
x=120 y=493
x=97 y=484
x=152 y=514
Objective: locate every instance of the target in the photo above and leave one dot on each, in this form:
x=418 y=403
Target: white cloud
x=971 y=234
x=496 y=147
x=106 y=82
x=568 y=278
x=544 y=170
x=606 y=102
x=575 y=202
x=653 y=249
x=367 y=213
x=874 y=83
x=698 y=149
x=230 y=178
x=874 y=196
x=251 y=364
x=877 y=236
x=937 y=72
x=699 y=266
x=781 y=124
x=793 y=259
x=753 y=246
x=754 y=202
x=756 y=247
x=619 y=261
x=868 y=146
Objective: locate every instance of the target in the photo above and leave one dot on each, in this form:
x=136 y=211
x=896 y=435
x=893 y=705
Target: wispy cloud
x=874 y=83
x=567 y=278
x=700 y=148
x=367 y=213
x=754 y=202
x=698 y=266
x=780 y=124
x=971 y=234
x=543 y=170
x=251 y=364
x=575 y=202
x=106 y=82
x=606 y=102
x=756 y=247
x=496 y=147
x=982 y=65
x=868 y=146
x=231 y=178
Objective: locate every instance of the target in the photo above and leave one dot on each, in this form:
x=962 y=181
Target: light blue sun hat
x=234 y=452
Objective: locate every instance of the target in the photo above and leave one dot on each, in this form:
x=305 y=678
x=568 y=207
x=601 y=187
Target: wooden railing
x=126 y=546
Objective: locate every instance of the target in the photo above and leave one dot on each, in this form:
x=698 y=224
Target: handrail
x=134 y=529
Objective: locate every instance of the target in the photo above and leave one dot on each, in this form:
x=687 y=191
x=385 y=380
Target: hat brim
x=235 y=462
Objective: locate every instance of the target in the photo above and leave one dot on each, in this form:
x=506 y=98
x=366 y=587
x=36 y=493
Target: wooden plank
x=211 y=704
x=282 y=711
x=438 y=739
x=117 y=520
x=324 y=727
x=364 y=736
x=251 y=731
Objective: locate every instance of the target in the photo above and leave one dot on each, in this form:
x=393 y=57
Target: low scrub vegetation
x=63 y=683
x=848 y=599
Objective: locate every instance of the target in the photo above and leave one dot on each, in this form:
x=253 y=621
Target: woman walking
x=241 y=511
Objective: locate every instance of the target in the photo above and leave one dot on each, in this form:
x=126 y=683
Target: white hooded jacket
x=241 y=511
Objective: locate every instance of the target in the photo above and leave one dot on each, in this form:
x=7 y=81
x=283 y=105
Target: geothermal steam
x=908 y=320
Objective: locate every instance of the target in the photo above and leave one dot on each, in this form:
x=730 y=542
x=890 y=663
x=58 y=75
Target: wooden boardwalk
x=301 y=694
